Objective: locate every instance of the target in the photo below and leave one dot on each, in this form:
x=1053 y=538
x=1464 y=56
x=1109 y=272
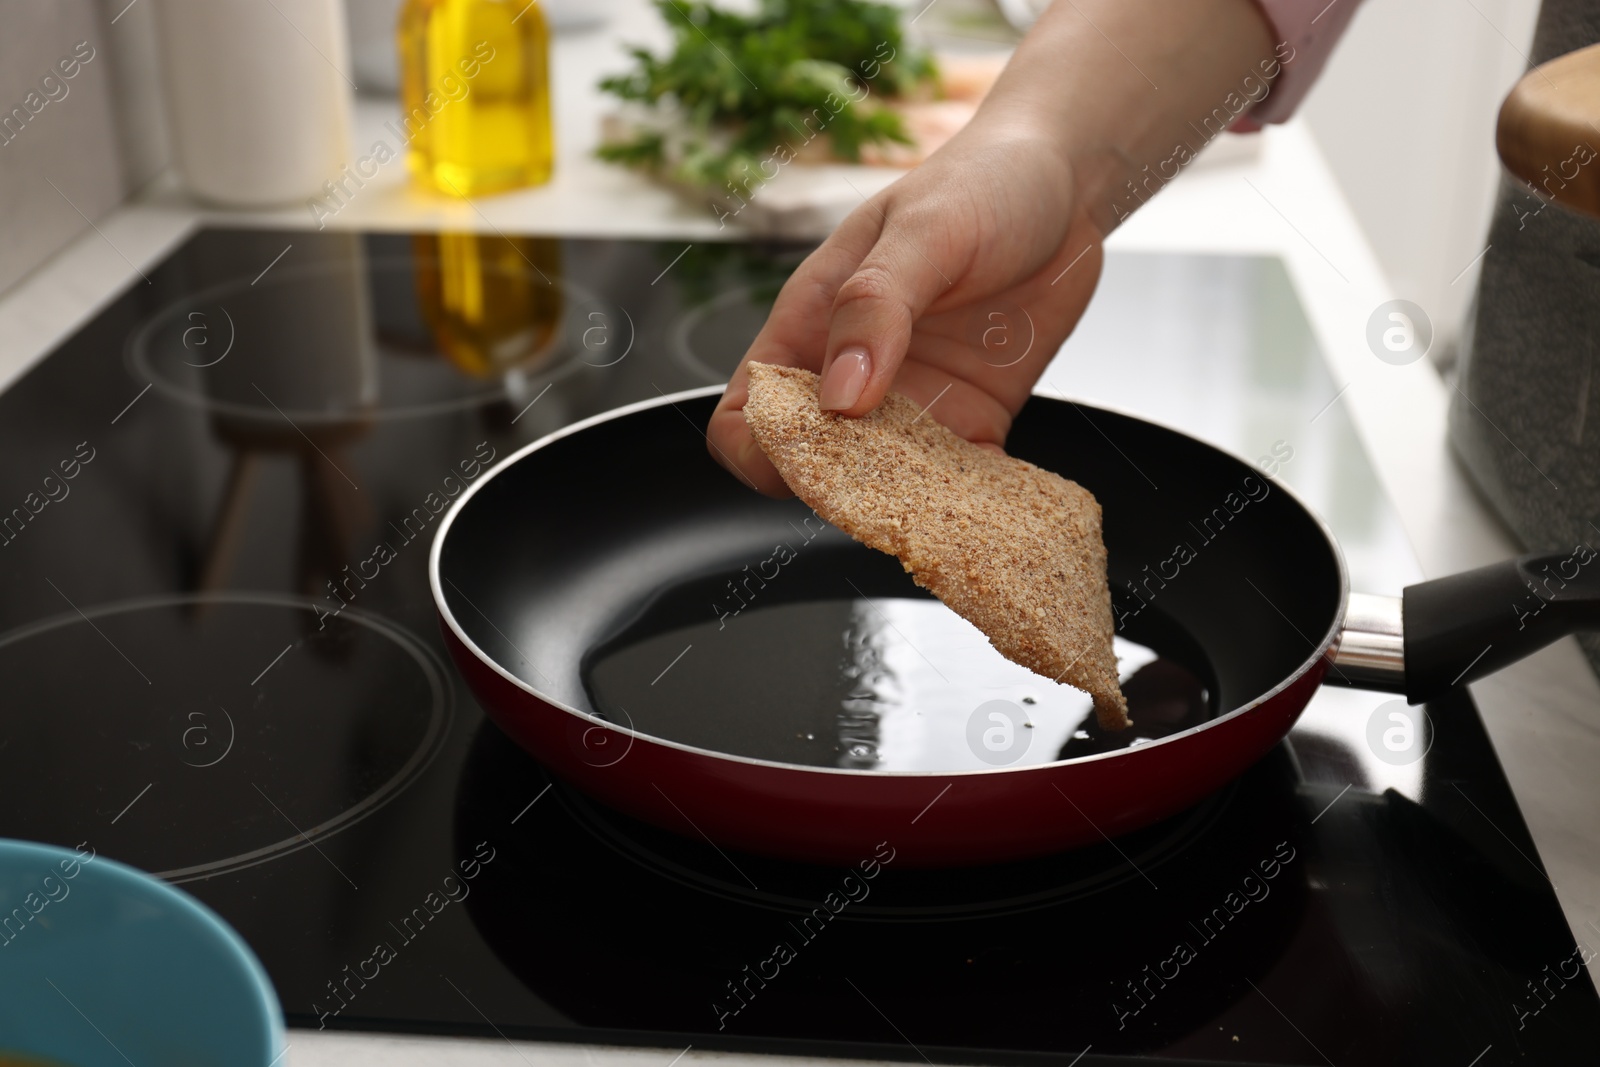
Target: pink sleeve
x=1304 y=32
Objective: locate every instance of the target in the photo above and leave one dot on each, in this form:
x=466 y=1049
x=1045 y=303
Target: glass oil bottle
x=475 y=91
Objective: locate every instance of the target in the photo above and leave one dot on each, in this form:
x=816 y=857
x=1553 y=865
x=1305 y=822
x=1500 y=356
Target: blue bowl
x=102 y=965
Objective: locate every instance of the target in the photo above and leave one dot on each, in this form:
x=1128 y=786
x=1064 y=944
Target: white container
x=258 y=96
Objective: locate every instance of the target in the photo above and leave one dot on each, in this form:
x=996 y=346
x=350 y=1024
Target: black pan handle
x=1462 y=627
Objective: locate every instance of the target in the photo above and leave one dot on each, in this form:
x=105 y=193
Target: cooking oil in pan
x=881 y=683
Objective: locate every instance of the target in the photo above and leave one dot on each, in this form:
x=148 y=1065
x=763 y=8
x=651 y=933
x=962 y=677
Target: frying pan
x=566 y=576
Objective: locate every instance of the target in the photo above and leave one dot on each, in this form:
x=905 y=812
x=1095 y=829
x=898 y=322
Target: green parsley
x=738 y=91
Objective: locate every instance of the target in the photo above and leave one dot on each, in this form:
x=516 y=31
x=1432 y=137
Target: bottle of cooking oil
x=475 y=88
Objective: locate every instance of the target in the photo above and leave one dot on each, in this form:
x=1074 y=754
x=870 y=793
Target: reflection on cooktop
x=711 y=338
x=899 y=895
x=976 y=942
x=168 y=703
x=219 y=660
x=317 y=346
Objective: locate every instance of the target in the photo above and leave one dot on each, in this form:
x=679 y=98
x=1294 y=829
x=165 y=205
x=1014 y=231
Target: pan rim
x=1321 y=650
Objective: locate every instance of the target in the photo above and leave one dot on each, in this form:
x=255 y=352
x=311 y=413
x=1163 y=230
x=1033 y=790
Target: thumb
x=873 y=314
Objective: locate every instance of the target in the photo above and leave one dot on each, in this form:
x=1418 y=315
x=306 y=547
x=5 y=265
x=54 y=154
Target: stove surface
x=221 y=664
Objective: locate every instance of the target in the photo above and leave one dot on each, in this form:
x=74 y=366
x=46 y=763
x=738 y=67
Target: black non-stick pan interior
x=620 y=571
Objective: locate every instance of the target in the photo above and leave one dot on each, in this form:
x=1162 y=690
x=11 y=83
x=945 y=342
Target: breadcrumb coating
x=1011 y=548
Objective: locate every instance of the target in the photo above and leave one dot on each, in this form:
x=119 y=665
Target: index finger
x=795 y=335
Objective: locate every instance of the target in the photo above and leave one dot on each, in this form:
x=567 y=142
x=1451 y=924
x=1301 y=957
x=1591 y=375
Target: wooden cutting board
x=1549 y=130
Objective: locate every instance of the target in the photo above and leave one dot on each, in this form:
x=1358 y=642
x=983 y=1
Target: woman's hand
x=955 y=286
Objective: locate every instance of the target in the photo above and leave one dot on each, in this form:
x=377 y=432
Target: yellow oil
x=494 y=304
x=475 y=89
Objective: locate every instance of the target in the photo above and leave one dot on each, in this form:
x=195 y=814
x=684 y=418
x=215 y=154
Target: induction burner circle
x=194 y=735
x=899 y=894
x=711 y=338
x=306 y=346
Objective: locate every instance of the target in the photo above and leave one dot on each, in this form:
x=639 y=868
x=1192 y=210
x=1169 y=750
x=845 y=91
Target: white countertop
x=1543 y=714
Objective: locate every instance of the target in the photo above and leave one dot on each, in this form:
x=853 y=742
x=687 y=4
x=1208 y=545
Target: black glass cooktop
x=220 y=663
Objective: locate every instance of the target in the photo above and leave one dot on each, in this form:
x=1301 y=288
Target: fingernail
x=842 y=385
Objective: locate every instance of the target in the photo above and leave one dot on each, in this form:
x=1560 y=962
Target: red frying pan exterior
x=830 y=815
x=841 y=815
